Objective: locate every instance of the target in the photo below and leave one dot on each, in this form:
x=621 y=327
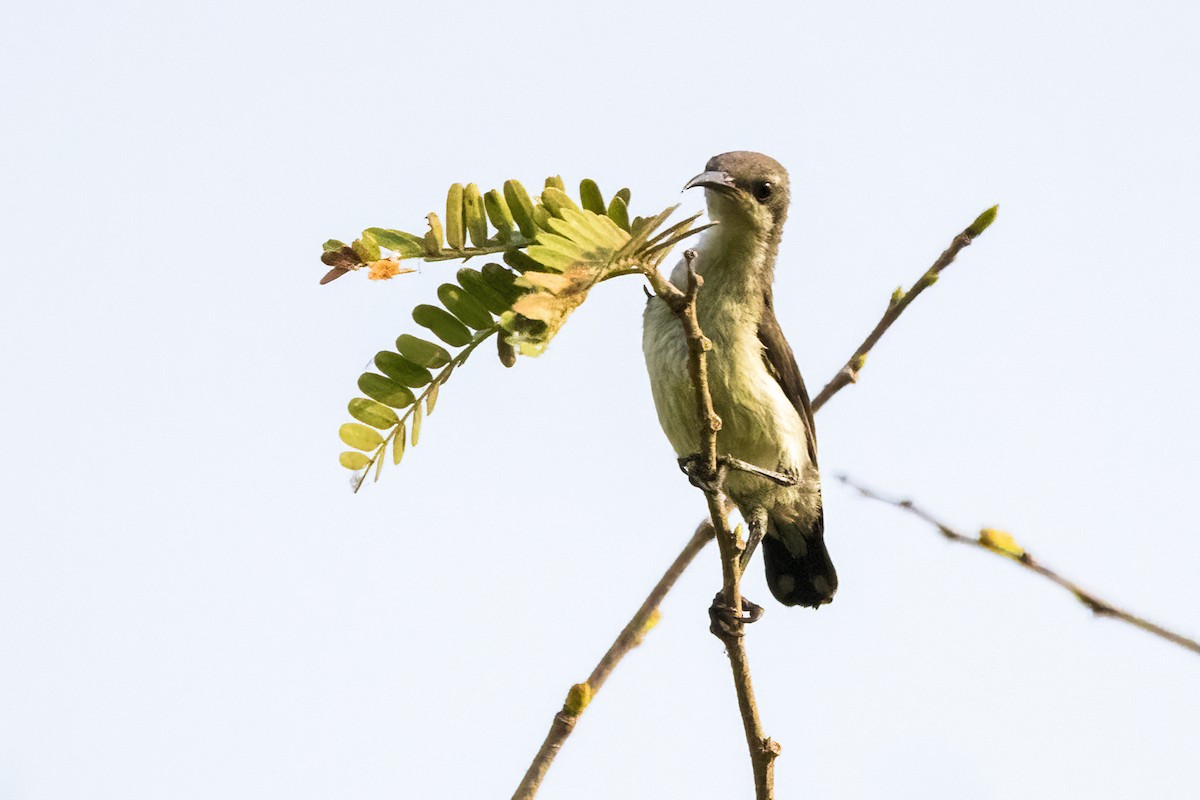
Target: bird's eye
x=762 y=191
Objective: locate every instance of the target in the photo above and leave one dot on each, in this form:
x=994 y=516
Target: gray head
x=745 y=188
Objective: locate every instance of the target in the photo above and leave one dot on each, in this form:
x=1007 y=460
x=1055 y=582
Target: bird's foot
x=693 y=467
x=724 y=622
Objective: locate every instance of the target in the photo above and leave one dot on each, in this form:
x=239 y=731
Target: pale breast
x=759 y=423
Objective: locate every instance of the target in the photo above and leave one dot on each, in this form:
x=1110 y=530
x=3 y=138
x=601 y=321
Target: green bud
x=982 y=222
x=578 y=699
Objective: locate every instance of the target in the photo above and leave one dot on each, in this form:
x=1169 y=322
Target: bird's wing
x=777 y=354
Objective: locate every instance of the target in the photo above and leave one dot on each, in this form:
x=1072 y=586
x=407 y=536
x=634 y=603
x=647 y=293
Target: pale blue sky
x=194 y=605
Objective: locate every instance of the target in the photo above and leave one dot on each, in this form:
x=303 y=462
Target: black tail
x=806 y=579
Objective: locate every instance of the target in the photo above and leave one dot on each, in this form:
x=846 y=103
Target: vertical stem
x=729 y=628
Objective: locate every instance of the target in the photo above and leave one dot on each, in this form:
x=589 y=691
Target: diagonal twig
x=1002 y=544
x=900 y=301
x=630 y=637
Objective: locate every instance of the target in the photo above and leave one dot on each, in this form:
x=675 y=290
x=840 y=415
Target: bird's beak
x=711 y=180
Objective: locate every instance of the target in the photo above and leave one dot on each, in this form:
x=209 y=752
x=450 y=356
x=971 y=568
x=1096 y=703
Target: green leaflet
x=499 y=214
x=555 y=200
x=521 y=207
x=385 y=390
x=366 y=248
x=406 y=244
x=508 y=356
x=475 y=216
x=503 y=281
x=455 y=232
x=354 y=460
x=332 y=244
x=401 y=370
x=360 y=437
x=443 y=324
x=556 y=181
x=374 y=414
x=590 y=197
x=479 y=288
x=462 y=305
x=521 y=262
x=398 y=444
x=431 y=398
x=618 y=212
x=419 y=351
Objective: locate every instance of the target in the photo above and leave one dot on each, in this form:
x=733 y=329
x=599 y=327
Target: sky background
x=193 y=604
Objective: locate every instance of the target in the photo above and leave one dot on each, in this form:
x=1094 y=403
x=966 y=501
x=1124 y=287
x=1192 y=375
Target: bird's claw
x=693 y=467
x=724 y=622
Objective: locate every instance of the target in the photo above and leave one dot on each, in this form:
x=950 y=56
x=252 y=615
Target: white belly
x=758 y=422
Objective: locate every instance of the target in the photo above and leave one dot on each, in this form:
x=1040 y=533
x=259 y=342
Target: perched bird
x=755 y=384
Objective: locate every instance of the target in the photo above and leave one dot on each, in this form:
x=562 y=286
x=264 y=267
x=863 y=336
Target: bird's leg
x=784 y=478
x=693 y=467
x=757 y=522
x=722 y=620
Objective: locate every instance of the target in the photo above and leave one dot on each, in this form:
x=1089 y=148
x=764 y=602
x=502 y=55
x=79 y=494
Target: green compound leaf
x=462 y=305
x=443 y=324
x=374 y=414
x=354 y=460
x=385 y=390
x=419 y=351
x=360 y=437
x=401 y=370
x=556 y=248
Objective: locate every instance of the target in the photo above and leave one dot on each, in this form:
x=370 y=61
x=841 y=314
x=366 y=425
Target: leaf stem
x=435 y=384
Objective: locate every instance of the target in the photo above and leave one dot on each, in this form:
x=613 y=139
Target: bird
x=756 y=386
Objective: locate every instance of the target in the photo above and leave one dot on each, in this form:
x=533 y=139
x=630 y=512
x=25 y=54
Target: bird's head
x=747 y=190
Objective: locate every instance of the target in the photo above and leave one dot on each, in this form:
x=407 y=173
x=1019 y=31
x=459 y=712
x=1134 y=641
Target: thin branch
x=629 y=638
x=1002 y=544
x=729 y=630
x=900 y=301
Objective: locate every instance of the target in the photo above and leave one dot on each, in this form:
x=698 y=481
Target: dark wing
x=777 y=354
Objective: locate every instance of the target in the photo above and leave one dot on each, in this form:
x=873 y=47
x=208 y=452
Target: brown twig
x=629 y=638
x=900 y=301
x=1002 y=544
x=763 y=750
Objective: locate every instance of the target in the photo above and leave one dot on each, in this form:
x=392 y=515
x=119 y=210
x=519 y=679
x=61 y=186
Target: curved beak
x=711 y=180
